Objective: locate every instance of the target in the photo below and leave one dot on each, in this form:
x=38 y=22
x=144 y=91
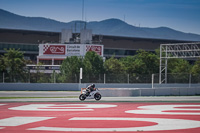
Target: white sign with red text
x=69 y=49
x=47 y=49
x=95 y=48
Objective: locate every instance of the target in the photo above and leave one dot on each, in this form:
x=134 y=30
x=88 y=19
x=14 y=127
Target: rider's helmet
x=93 y=85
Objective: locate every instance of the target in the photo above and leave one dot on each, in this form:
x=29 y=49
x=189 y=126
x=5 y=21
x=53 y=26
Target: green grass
x=35 y=97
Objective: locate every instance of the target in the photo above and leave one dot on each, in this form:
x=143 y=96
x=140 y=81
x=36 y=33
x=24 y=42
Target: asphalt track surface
x=110 y=114
x=74 y=117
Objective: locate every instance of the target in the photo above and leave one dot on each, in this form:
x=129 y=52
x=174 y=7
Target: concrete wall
x=40 y=87
x=63 y=86
x=150 y=92
x=112 y=90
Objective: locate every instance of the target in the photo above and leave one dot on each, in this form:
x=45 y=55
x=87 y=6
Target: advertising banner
x=95 y=48
x=54 y=49
x=68 y=49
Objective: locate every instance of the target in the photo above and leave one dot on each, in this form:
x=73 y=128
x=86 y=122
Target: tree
x=149 y=60
x=178 y=71
x=14 y=63
x=70 y=69
x=142 y=63
x=114 y=66
x=92 y=67
x=195 y=71
x=93 y=63
x=176 y=66
x=141 y=66
x=2 y=64
x=115 y=72
x=128 y=63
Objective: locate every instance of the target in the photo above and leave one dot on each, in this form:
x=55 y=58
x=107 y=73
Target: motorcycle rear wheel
x=97 y=96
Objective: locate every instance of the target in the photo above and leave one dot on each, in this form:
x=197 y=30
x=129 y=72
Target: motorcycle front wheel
x=97 y=96
x=82 y=97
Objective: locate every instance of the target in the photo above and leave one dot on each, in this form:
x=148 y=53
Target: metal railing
x=100 y=78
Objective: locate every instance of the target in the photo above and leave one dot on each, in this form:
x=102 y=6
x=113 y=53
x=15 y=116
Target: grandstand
x=28 y=42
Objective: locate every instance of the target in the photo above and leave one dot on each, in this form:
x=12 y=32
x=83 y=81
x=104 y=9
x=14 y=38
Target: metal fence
x=100 y=78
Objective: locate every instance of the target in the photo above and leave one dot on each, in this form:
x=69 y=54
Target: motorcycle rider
x=90 y=88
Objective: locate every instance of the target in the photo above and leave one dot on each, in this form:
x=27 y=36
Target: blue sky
x=182 y=15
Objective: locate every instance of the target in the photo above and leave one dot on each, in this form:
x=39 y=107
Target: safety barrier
x=129 y=92
x=111 y=90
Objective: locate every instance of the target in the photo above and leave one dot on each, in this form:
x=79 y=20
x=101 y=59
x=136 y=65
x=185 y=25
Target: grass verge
x=35 y=97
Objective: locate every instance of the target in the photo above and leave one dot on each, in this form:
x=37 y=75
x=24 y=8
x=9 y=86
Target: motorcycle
x=90 y=95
